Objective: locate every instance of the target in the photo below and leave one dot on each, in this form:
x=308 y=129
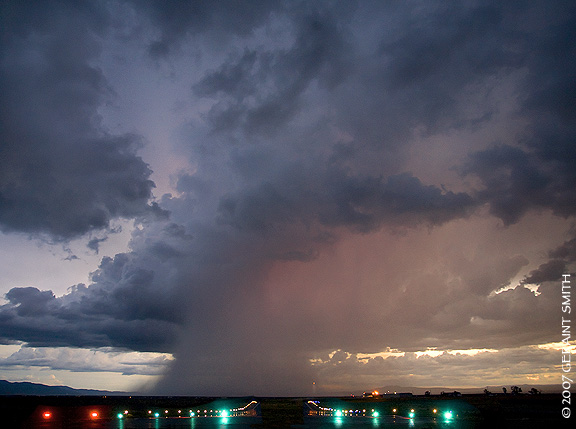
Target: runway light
x=448 y=415
x=120 y=415
x=411 y=415
x=224 y=413
x=434 y=410
x=156 y=414
x=47 y=415
x=394 y=410
x=338 y=413
x=94 y=414
x=375 y=413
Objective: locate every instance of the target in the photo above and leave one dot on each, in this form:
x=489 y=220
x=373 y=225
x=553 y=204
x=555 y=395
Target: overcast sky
x=231 y=198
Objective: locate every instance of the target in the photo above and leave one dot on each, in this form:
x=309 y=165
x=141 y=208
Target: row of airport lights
x=191 y=413
x=448 y=415
x=198 y=413
x=47 y=415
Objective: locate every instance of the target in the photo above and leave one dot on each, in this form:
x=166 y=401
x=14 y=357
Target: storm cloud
x=62 y=172
x=346 y=179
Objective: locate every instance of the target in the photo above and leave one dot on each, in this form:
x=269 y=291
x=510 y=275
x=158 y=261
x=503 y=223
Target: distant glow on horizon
x=117 y=370
x=468 y=352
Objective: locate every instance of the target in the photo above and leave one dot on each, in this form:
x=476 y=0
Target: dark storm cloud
x=302 y=140
x=30 y=301
x=180 y=18
x=561 y=259
x=61 y=172
x=518 y=180
x=359 y=203
x=538 y=171
x=431 y=69
x=261 y=91
x=131 y=302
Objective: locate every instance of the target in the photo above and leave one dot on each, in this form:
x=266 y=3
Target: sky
x=285 y=197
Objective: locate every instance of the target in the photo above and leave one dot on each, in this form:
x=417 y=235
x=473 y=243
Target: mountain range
x=27 y=388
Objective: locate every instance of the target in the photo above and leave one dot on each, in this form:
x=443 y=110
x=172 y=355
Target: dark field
x=468 y=411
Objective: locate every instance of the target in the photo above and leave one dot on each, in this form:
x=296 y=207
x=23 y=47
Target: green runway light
x=448 y=415
x=338 y=413
x=156 y=414
x=120 y=415
x=375 y=413
x=411 y=415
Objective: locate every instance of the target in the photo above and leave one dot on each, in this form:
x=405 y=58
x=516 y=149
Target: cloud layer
x=357 y=178
x=62 y=173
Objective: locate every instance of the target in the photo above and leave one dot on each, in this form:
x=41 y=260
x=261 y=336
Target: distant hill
x=35 y=389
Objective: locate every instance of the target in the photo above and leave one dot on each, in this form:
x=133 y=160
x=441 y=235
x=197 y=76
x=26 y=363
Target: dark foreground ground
x=468 y=411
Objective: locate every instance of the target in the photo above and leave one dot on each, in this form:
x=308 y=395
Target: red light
x=94 y=414
x=47 y=415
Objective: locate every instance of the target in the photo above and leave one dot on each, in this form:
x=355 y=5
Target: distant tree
x=534 y=391
x=427 y=393
x=516 y=390
x=487 y=392
x=504 y=390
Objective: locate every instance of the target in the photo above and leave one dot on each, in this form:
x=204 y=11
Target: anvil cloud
x=308 y=183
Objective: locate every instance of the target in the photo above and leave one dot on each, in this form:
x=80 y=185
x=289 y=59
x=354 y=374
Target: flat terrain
x=470 y=411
